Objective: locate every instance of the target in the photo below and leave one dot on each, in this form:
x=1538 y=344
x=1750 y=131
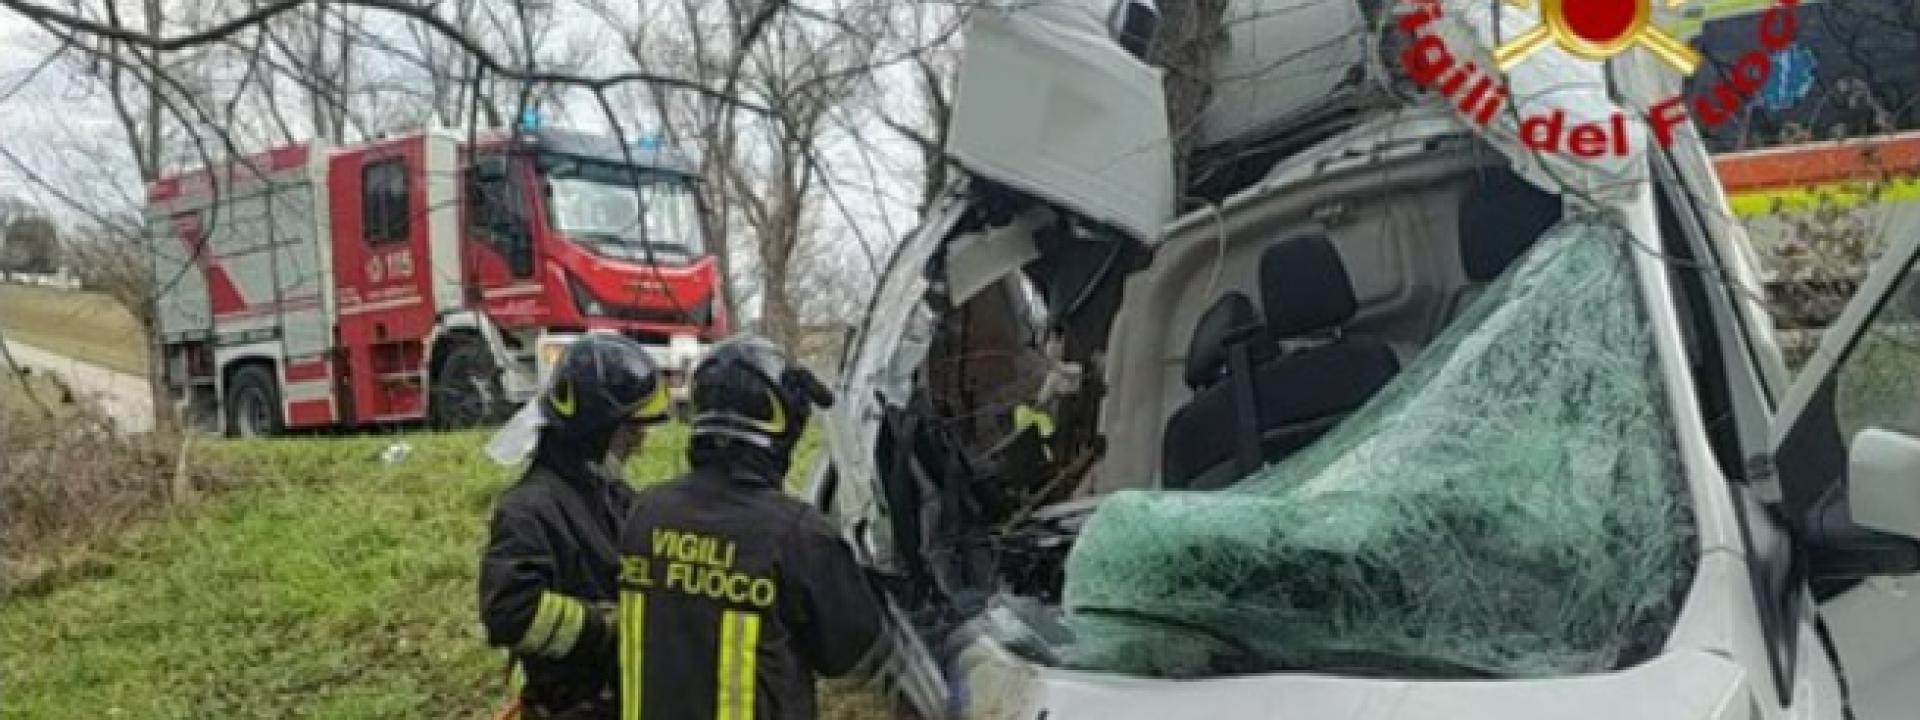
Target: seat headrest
x=1499 y=219
x=1305 y=287
x=1231 y=315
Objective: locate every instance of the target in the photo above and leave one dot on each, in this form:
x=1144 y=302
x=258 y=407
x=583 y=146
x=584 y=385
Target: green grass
x=83 y=325
x=328 y=585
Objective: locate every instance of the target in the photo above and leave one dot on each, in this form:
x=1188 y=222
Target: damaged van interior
x=1377 y=407
x=1382 y=427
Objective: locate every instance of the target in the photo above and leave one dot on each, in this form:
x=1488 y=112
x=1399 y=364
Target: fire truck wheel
x=253 y=403
x=467 y=391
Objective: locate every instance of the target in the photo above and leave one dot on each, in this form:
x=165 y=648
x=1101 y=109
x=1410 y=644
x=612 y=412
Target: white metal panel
x=183 y=304
x=305 y=390
x=1876 y=627
x=1051 y=105
x=243 y=240
x=443 y=219
x=322 y=204
x=1690 y=685
x=261 y=238
x=1283 y=61
x=296 y=253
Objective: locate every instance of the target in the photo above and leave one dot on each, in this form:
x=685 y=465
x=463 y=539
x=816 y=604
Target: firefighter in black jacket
x=547 y=581
x=733 y=595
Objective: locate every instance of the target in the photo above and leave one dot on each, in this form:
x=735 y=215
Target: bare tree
x=30 y=244
x=1191 y=33
x=765 y=182
x=105 y=262
x=924 y=121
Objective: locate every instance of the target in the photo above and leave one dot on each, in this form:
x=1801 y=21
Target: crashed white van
x=1402 y=422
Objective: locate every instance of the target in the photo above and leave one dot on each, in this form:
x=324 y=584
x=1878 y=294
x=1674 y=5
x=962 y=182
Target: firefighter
x=733 y=595
x=547 y=581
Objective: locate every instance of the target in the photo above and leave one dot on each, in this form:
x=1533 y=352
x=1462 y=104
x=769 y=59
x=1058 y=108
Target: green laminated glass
x=1512 y=505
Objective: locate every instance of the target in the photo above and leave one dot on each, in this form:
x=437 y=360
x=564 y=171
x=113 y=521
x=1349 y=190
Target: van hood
x=1688 y=685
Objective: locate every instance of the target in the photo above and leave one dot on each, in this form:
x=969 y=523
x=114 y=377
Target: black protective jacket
x=547 y=583
x=734 y=597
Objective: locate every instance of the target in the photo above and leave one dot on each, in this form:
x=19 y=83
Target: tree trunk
x=777 y=313
x=164 y=419
x=1190 y=33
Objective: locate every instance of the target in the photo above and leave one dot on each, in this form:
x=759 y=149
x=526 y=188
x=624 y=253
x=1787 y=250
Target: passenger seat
x=1228 y=342
x=1499 y=220
x=1294 y=397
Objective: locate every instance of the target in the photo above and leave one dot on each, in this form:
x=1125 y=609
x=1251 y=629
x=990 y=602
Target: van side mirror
x=1868 y=526
x=1883 y=473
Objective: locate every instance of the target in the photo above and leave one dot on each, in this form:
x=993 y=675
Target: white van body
x=1803 y=600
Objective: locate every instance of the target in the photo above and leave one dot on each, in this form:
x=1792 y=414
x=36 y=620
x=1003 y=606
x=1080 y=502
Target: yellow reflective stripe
x=656 y=406
x=777 y=424
x=749 y=649
x=739 y=646
x=1027 y=416
x=1843 y=195
x=556 y=626
x=724 y=683
x=573 y=618
x=633 y=629
x=563 y=400
x=540 y=631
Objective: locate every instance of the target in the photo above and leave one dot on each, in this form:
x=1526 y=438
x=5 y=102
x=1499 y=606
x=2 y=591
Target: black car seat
x=1228 y=342
x=1292 y=398
x=1500 y=218
x=1231 y=322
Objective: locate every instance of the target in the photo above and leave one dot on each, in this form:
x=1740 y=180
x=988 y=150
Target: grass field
x=327 y=585
x=321 y=583
x=81 y=325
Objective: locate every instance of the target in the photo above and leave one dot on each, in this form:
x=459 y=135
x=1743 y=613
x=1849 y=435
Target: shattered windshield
x=1512 y=506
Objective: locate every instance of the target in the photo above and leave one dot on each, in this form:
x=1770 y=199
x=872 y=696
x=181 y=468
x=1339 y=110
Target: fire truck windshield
x=601 y=206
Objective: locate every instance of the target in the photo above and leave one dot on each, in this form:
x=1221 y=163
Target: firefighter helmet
x=601 y=381
x=750 y=395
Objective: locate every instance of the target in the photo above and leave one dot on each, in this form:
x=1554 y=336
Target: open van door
x=1848 y=453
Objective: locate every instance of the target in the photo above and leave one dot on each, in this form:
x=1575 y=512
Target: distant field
x=31 y=398
x=81 y=325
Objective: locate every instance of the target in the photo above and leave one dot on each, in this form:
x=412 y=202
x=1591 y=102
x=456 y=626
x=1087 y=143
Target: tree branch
x=419 y=13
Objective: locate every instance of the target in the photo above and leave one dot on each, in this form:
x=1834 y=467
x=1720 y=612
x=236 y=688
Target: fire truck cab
x=429 y=276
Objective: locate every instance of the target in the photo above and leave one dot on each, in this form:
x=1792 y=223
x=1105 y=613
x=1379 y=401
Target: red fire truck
x=420 y=277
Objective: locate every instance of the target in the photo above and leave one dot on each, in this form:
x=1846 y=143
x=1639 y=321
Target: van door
x=1848 y=451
